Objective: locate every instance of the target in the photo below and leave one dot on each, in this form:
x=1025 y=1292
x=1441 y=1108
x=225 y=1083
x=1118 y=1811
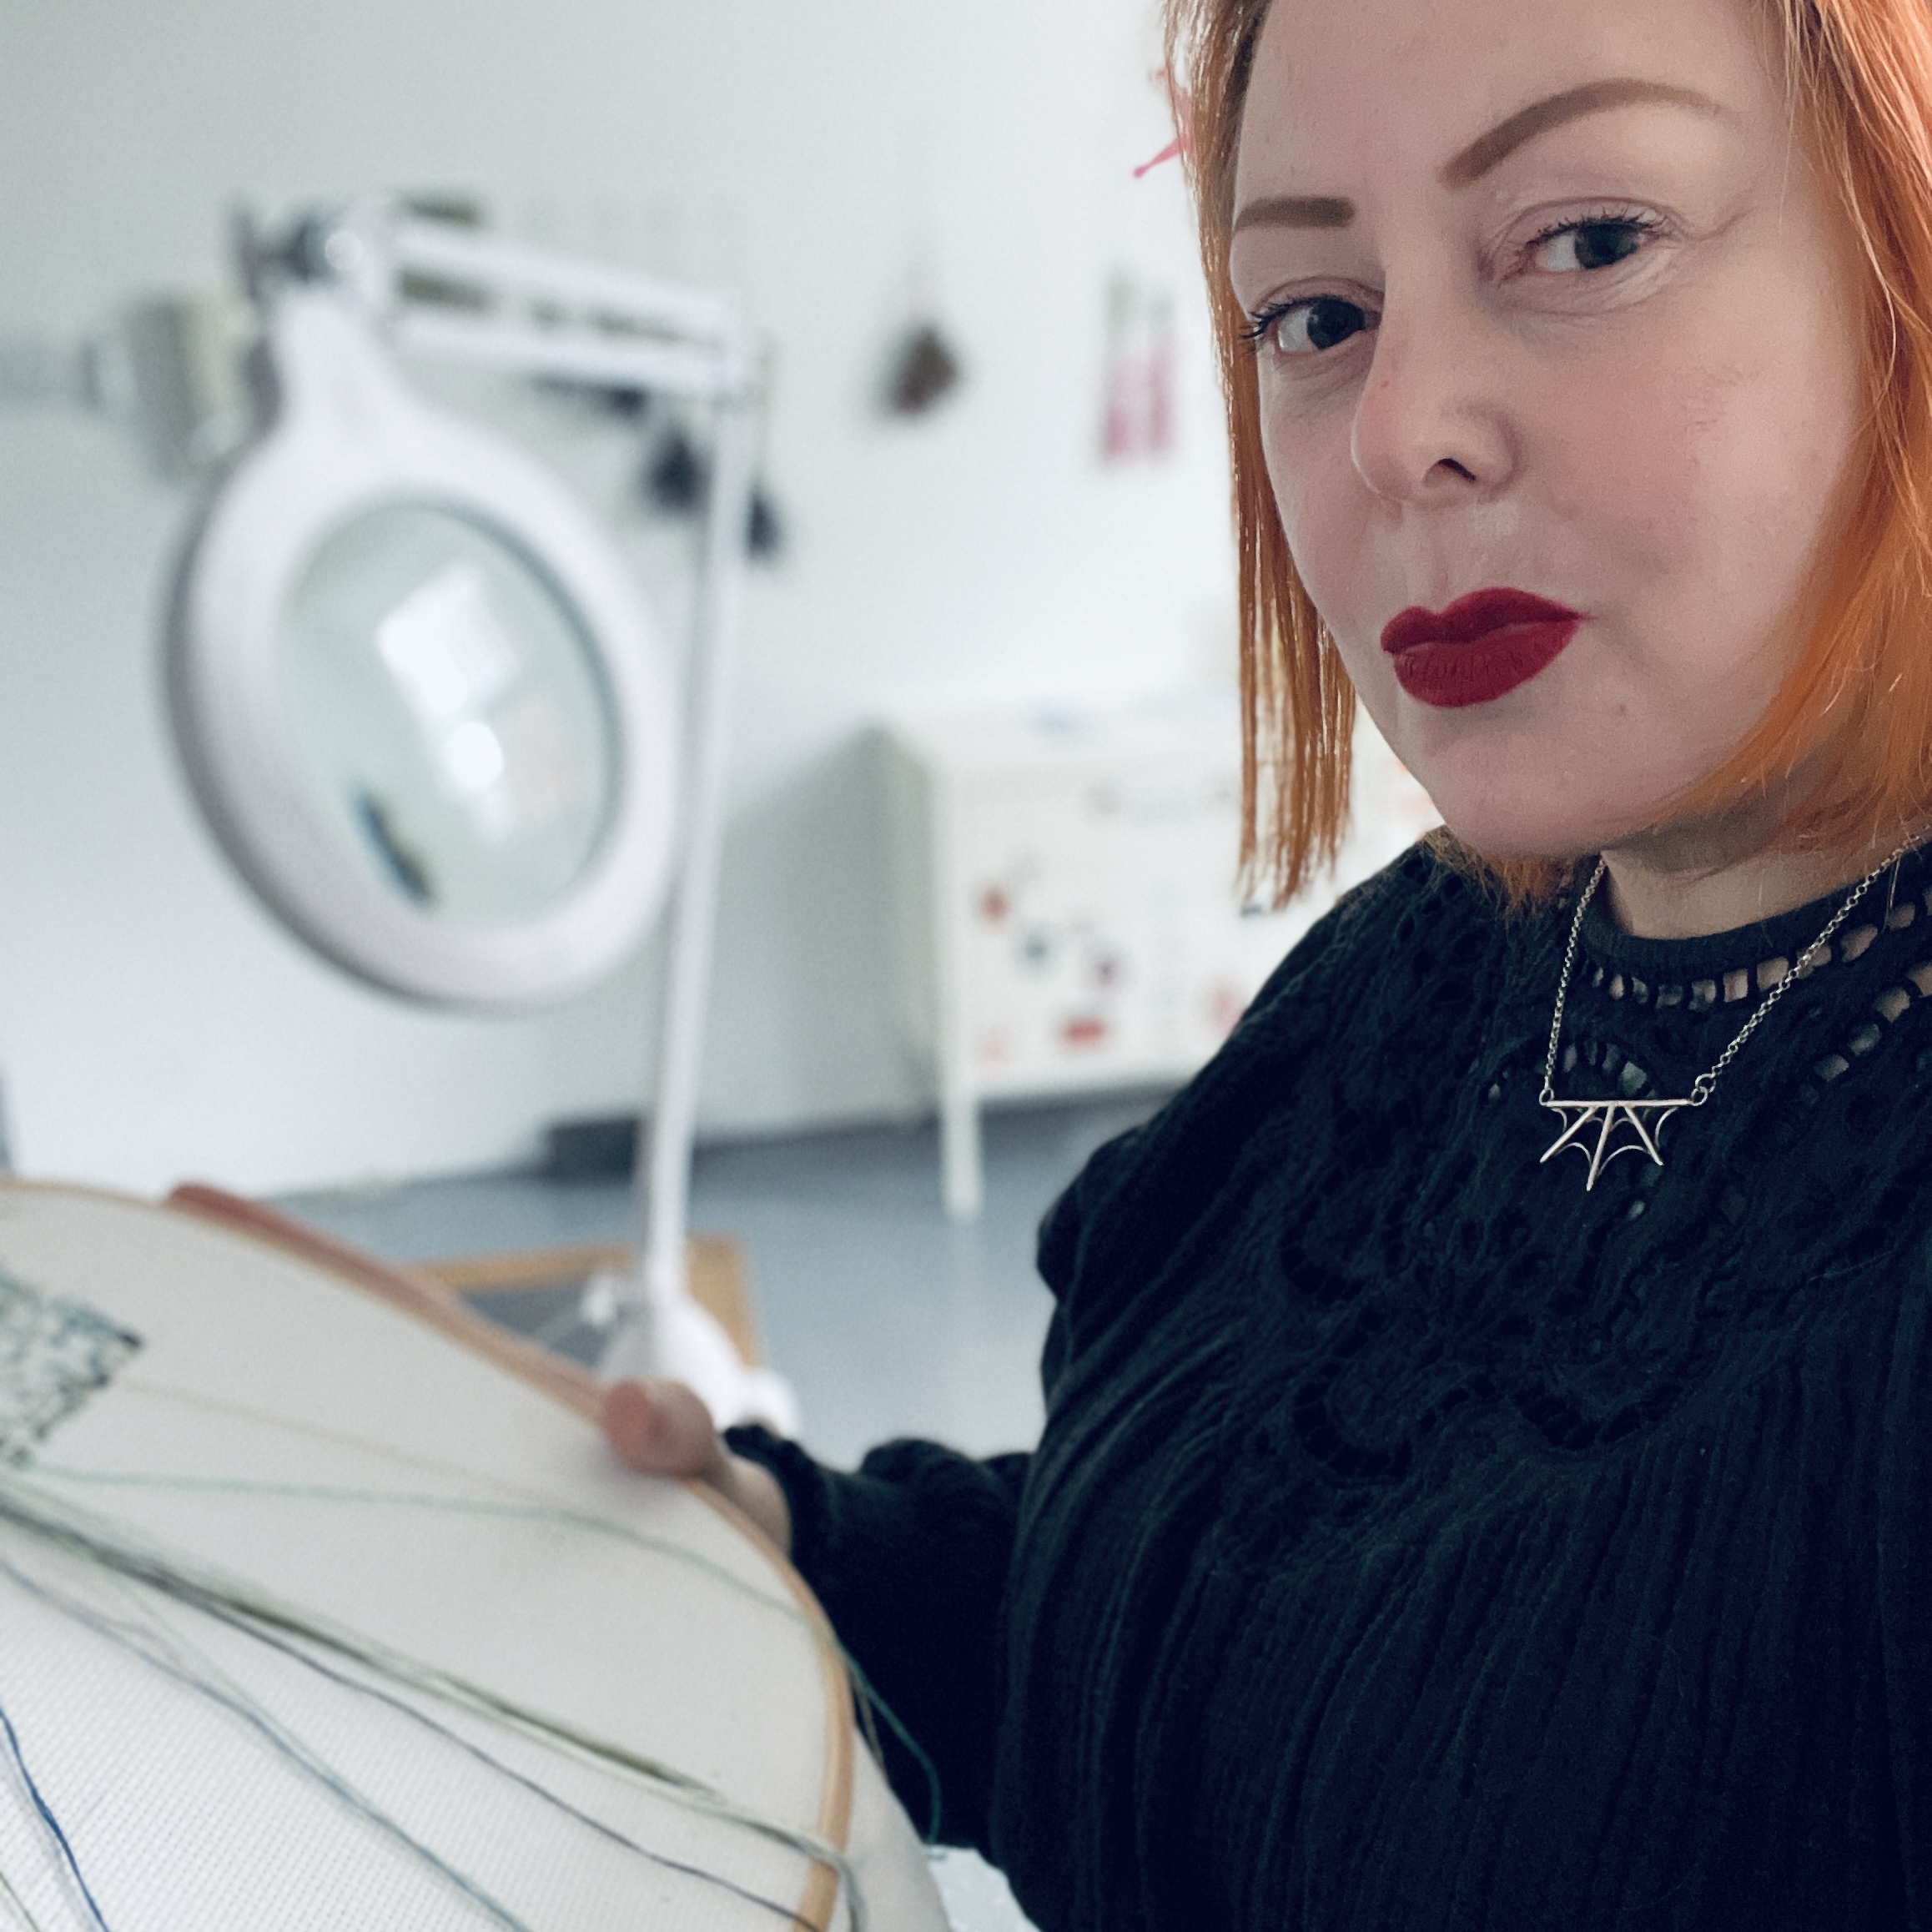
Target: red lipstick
x=1480 y=647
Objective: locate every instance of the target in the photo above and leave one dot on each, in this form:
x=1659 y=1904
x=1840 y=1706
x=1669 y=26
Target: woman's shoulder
x=1421 y=904
x=1351 y=973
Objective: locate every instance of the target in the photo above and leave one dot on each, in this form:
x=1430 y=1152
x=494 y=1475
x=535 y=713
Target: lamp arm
x=523 y=349
x=441 y=290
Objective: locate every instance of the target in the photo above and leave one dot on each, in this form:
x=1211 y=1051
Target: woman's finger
x=664 y=1430
x=661 y=1428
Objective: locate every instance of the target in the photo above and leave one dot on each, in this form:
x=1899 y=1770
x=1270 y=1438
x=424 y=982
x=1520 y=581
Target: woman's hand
x=664 y=1430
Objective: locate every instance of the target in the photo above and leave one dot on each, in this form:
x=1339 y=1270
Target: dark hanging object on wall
x=677 y=475
x=924 y=371
x=764 y=527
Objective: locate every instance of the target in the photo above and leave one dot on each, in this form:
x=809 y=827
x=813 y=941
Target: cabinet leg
x=959 y=1155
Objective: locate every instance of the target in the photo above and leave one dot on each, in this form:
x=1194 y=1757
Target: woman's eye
x=1307 y=328
x=1587 y=244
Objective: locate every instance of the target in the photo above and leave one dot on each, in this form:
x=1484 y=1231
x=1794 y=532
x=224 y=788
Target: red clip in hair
x=1183 y=121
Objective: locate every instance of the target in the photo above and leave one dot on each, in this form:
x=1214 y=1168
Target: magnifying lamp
x=415 y=697
x=419 y=701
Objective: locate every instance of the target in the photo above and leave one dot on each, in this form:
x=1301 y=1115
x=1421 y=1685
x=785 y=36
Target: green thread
x=81 y=1535
x=282 y=1739
x=868 y=1700
x=17 y=1906
x=216 y=1684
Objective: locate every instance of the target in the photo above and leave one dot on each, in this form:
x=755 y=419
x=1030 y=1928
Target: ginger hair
x=1858 y=702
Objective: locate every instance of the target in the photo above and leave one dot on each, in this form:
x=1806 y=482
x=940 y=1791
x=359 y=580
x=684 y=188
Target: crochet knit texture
x=1417 y=1540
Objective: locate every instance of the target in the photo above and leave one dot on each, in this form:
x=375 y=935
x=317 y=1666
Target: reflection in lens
x=405 y=867
x=451 y=720
x=472 y=756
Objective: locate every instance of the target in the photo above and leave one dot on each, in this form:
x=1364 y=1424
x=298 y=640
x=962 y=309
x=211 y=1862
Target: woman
x=1487 y=1478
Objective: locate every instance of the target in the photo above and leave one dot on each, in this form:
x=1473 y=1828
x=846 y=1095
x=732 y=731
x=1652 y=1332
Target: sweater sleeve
x=909 y=1557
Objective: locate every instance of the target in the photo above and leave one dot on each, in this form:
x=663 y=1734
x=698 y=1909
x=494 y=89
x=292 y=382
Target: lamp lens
x=452 y=721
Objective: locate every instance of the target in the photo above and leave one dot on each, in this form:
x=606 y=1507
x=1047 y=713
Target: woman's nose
x=1431 y=428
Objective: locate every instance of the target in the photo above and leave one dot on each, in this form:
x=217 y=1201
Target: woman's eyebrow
x=1485 y=151
x=1295 y=211
x=1491 y=149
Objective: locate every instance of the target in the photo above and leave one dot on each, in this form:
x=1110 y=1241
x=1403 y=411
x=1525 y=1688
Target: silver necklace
x=1646 y=1117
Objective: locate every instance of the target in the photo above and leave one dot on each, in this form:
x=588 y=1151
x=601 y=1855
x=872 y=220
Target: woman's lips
x=1480 y=647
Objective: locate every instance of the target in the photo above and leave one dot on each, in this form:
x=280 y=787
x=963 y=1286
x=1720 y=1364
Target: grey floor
x=888 y=1319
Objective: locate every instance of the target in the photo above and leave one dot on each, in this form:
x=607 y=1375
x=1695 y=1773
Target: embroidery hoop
x=271 y=1392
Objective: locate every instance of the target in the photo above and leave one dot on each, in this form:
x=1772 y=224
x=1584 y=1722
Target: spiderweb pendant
x=1645 y=1119
x=1591 y=1126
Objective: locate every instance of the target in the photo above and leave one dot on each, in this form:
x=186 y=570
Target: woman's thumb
x=661 y=1428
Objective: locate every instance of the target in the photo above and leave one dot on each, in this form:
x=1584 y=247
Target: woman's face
x=1548 y=299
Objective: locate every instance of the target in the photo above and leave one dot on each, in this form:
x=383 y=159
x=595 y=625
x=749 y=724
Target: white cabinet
x=1065 y=904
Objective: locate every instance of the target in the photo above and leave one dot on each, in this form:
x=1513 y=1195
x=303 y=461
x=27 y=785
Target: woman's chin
x=1521 y=794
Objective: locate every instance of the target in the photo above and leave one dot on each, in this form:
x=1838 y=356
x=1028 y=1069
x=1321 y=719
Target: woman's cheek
x=1688 y=502
x=1634 y=475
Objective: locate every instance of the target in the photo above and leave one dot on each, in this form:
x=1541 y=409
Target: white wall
x=800 y=153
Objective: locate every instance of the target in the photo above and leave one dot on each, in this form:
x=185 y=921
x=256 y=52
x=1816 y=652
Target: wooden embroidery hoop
x=268 y=1343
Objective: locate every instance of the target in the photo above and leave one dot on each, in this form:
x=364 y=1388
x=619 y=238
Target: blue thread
x=46 y=1817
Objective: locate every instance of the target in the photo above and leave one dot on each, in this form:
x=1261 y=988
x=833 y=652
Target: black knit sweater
x=1417 y=1540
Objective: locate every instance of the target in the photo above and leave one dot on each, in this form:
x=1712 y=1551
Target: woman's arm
x=909 y=1557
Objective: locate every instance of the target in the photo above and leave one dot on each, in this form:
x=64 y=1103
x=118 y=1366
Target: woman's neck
x=1676 y=885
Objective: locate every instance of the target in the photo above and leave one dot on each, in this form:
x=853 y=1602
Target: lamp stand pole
x=660 y=1329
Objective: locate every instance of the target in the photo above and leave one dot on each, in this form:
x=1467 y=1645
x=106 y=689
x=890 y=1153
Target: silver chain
x=1702 y=1086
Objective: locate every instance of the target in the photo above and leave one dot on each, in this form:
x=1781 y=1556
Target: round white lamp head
x=414 y=691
